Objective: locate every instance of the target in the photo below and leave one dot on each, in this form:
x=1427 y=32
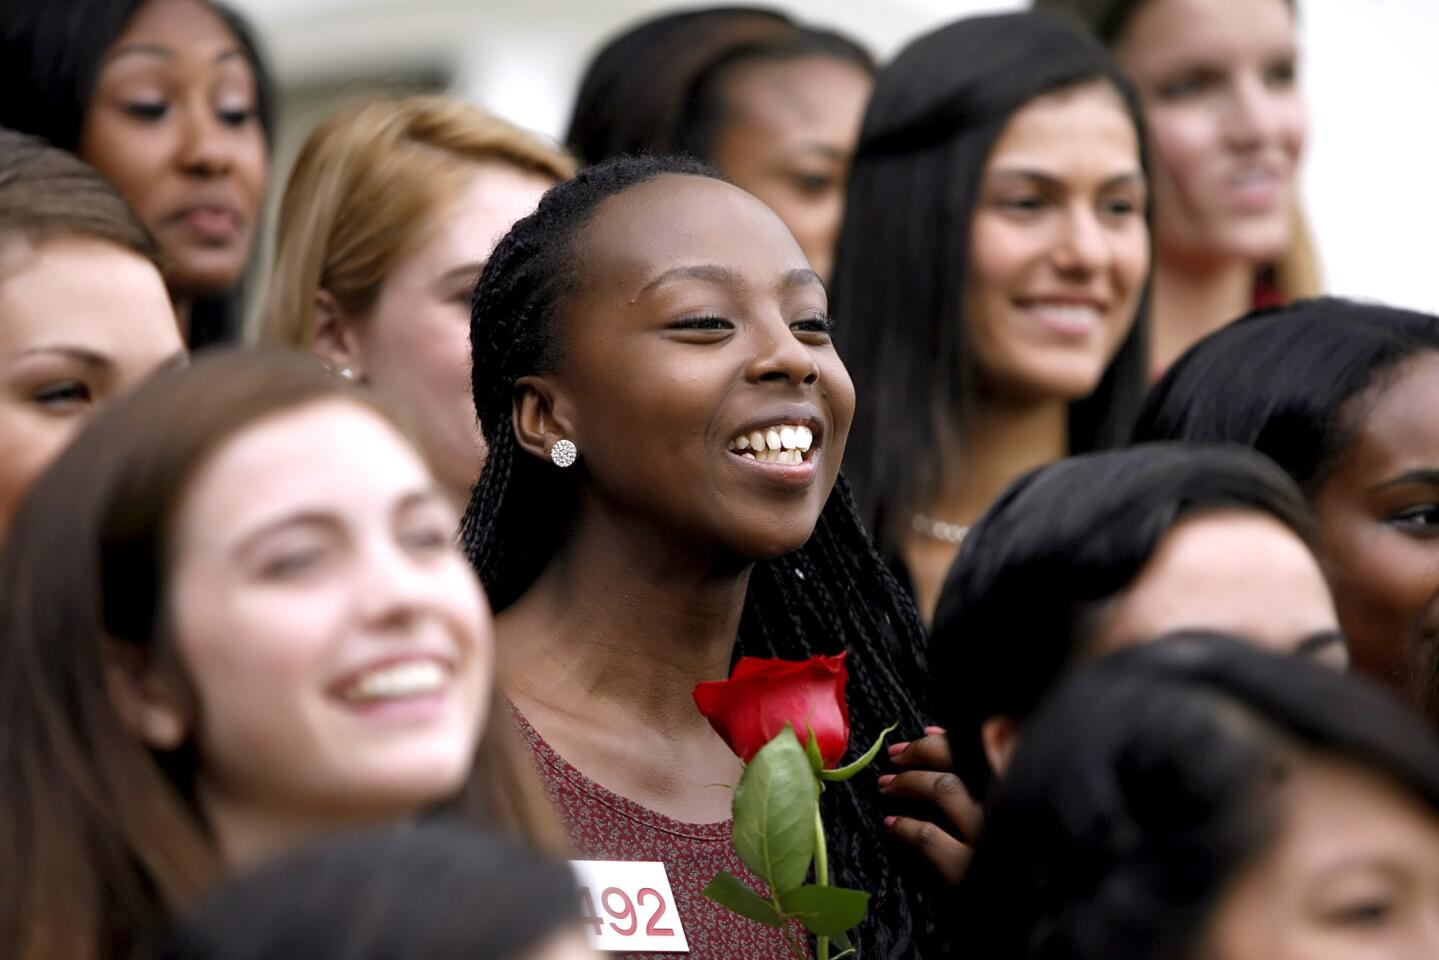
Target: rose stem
x=821 y=874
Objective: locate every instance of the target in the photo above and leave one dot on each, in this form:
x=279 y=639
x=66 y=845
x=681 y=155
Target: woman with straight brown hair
x=391 y=210
x=83 y=309
x=224 y=637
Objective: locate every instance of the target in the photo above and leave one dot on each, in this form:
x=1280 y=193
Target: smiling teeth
x=782 y=443
x=408 y=679
x=1071 y=313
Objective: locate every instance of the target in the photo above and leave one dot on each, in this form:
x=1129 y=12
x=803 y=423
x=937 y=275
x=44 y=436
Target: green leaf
x=811 y=749
x=730 y=892
x=840 y=774
x=826 y=911
x=775 y=805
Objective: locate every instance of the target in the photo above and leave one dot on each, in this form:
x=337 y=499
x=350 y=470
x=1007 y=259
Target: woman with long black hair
x=990 y=275
x=1195 y=798
x=1341 y=395
x=171 y=101
x=666 y=414
x=1086 y=556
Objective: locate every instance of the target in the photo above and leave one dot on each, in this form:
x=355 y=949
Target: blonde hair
x=1297 y=275
x=365 y=184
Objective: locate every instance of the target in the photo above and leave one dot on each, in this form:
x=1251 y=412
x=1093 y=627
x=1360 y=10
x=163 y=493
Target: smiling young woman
x=1227 y=126
x=660 y=326
x=223 y=638
x=991 y=275
x=170 y=100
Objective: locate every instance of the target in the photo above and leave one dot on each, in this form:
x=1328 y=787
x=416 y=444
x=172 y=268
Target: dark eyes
x=1277 y=75
x=702 y=323
x=1364 y=914
x=1026 y=205
x=1187 y=85
x=152 y=111
x=147 y=111
x=815 y=324
x=1281 y=74
x=62 y=396
x=1419 y=520
x=812 y=184
x=822 y=324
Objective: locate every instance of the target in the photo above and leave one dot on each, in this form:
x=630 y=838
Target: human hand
x=927 y=778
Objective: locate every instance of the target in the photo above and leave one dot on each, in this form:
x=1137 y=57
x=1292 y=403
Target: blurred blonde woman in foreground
x=391 y=209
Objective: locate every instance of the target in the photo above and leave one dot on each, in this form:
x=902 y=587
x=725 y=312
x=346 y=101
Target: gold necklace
x=944 y=532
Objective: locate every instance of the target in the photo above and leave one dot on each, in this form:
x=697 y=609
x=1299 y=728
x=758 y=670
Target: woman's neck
x=1002 y=442
x=622 y=623
x=1192 y=300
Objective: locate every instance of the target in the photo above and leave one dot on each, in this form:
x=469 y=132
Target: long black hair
x=659 y=86
x=1149 y=781
x=1039 y=568
x=832 y=594
x=51 y=52
x=901 y=265
x=1282 y=381
x=431 y=891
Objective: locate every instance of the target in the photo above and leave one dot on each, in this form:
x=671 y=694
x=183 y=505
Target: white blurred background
x=1370 y=70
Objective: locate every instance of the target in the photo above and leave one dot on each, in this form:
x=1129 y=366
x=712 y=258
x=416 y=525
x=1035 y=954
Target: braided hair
x=832 y=594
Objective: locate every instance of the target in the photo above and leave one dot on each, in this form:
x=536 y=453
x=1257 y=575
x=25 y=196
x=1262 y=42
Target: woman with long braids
x=666 y=415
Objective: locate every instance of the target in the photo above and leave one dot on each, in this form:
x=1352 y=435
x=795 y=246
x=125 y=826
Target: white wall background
x=1371 y=69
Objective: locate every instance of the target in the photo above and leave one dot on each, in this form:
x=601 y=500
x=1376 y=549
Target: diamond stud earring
x=563 y=453
x=347 y=373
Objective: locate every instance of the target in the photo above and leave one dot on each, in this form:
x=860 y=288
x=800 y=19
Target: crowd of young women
x=337 y=644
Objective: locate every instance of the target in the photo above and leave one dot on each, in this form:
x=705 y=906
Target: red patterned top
x=603 y=825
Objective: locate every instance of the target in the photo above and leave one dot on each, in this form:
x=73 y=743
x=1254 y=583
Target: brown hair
x=100 y=843
x=1295 y=274
x=45 y=193
x=366 y=182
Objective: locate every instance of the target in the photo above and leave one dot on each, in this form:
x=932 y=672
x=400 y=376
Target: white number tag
x=627 y=905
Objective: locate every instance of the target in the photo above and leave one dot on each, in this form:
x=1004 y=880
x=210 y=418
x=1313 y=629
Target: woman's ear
x=542 y=416
x=335 y=335
x=150 y=699
x=999 y=736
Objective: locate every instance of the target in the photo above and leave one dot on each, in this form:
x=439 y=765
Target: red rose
x=751 y=708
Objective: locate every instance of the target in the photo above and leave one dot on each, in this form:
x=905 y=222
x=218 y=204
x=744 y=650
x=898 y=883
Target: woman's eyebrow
x=164 y=53
x=708 y=272
x=1424 y=475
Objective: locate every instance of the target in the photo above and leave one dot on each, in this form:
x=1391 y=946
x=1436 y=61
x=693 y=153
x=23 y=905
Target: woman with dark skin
x=774 y=104
x=170 y=100
x=636 y=341
x=1342 y=396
